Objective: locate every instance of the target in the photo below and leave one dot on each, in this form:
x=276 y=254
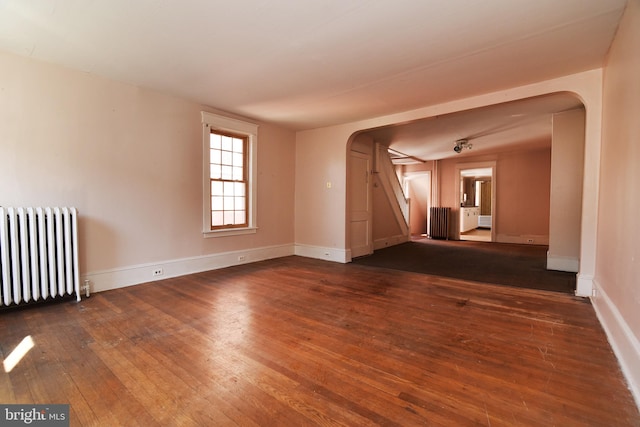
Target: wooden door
x=360 y=204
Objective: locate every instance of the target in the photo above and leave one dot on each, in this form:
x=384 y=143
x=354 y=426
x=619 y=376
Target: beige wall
x=321 y=221
x=618 y=267
x=419 y=193
x=522 y=193
x=567 y=158
x=618 y=250
x=421 y=185
x=130 y=160
x=320 y=212
x=522 y=199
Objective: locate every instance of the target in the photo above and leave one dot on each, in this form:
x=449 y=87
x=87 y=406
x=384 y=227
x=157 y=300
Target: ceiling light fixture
x=461 y=144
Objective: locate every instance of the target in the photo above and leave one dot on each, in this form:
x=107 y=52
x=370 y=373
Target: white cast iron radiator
x=38 y=254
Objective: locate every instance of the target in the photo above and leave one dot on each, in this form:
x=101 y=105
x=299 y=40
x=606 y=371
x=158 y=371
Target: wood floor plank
x=152 y=345
x=296 y=341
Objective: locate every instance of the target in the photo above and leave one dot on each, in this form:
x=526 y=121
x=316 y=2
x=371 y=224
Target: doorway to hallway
x=476 y=195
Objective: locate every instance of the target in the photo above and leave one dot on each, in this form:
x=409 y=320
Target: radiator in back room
x=439 y=225
x=38 y=254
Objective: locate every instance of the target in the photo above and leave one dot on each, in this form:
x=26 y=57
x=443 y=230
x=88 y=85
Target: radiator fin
x=38 y=254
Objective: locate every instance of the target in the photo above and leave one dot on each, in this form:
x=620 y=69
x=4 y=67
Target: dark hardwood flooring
x=296 y=342
x=496 y=263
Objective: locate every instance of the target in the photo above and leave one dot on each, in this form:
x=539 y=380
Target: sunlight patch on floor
x=477 y=235
x=18 y=353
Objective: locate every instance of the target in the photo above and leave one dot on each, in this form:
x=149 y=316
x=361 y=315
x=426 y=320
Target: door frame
x=408 y=178
x=476 y=165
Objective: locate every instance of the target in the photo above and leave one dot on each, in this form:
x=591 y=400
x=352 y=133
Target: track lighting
x=461 y=144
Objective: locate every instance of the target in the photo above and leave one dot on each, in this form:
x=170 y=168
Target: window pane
x=217 y=188
x=229 y=217
x=240 y=217
x=215 y=172
x=238 y=145
x=227 y=143
x=217 y=219
x=214 y=156
x=214 y=141
x=237 y=159
x=228 y=188
x=216 y=203
x=227 y=172
x=237 y=174
x=228 y=203
x=227 y=158
x=239 y=203
x=239 y=188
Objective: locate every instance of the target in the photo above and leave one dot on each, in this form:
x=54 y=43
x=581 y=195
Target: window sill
x=229 y=232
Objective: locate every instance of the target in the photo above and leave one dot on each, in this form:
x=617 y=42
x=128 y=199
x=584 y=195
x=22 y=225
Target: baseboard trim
x=528 y=239
x=390 y=241
x=143 y=273
x=319 y=252
x=623 y=341
x=563 y=263
x=584 y=285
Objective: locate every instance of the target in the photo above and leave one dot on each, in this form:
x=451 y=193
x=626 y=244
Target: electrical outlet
x=242 y=258
x=158 y=272
x=529 y=240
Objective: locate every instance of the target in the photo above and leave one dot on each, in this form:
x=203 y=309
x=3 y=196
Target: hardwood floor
x=477 y=235
x=295 y=342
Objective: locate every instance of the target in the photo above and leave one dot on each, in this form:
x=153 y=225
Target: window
x=229 y=178
x=227 y=172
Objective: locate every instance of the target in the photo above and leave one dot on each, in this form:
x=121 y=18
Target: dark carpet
x=522 y=266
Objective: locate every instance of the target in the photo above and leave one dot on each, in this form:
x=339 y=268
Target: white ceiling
x=513 y=125
x=312 y=63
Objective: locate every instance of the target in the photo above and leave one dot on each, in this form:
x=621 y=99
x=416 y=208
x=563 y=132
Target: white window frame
x=216 y=122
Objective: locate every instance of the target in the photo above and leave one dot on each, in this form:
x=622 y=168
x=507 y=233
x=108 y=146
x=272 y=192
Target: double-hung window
x=229 y=178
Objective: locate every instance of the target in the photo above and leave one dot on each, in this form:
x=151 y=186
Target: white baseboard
x=584 y=285
x=319 y=252
x=143 y=273
x=390 y=241
x=623 y=341
x=563 y=263
x=527 y=239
